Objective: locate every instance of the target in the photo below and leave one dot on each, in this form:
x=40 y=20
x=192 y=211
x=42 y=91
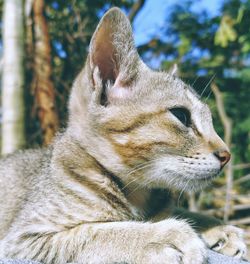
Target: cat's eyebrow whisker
x=208 y=96
x=211 y=79
x=197 y=77
x=212 y=107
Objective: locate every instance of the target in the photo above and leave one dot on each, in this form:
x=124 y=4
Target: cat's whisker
x=135 y=170
x=135 y=189
x=212 y=107
x=141 y=164
x=140 y=168
x=208 y=96
x=142 y=186
x=182 y=191
x=197 y=77
x=129 y=183
x=211 y=79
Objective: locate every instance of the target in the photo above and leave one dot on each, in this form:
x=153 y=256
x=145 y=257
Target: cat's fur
x=100 y=193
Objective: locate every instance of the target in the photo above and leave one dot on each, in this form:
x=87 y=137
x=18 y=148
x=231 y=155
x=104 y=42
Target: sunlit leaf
x=225 y=33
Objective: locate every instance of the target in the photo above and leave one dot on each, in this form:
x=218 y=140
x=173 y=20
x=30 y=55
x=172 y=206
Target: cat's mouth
x=194 y=181
x=208 y=177
x=205 y=176
x=198 y=182
x=188 y=174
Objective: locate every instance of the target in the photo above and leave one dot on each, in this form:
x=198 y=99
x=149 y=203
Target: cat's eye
x=182 y=114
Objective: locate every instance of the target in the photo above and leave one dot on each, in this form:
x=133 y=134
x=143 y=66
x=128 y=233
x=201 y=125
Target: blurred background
x=44 y=43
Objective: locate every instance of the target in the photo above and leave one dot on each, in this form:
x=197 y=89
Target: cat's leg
x=169 y=241
x=225 y=239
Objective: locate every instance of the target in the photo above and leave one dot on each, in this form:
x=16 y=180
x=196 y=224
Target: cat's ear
x=113 y=59
x=174 y=70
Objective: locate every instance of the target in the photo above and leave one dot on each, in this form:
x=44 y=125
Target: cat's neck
x=143 y=202
x=148 y=202
x=138 y=198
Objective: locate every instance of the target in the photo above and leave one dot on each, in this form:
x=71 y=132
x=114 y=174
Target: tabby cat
x=101 y=193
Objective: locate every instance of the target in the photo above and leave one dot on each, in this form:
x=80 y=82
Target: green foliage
x=184 y=46
x=225 y=33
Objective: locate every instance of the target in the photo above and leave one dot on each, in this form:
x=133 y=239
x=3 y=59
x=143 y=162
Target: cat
x=101 y=193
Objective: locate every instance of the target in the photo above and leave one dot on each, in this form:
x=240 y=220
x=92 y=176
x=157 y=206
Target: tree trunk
x=42 y=84
x=192 y=203
x=135 y=9
x=227 y=124
x=13 y=128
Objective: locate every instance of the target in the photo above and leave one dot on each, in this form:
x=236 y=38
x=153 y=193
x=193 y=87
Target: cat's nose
x=223 y=156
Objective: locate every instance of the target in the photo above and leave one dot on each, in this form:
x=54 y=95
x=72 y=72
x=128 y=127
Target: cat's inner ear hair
x=102 y=54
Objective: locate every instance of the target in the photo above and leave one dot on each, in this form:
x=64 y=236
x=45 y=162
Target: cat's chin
x=184 y=182
x=197 y=183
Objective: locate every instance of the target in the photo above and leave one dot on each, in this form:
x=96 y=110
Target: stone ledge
x=213 y=258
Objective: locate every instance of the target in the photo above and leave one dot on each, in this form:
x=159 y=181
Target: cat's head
x=149 y=128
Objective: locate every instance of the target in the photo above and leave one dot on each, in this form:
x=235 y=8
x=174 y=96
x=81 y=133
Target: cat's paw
x=175 y=242
x=227 y=240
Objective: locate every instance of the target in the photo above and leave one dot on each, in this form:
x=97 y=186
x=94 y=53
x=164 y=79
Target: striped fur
x=101 y=192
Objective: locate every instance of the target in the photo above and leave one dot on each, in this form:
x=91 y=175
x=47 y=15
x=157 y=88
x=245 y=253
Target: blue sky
x=152 y=17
